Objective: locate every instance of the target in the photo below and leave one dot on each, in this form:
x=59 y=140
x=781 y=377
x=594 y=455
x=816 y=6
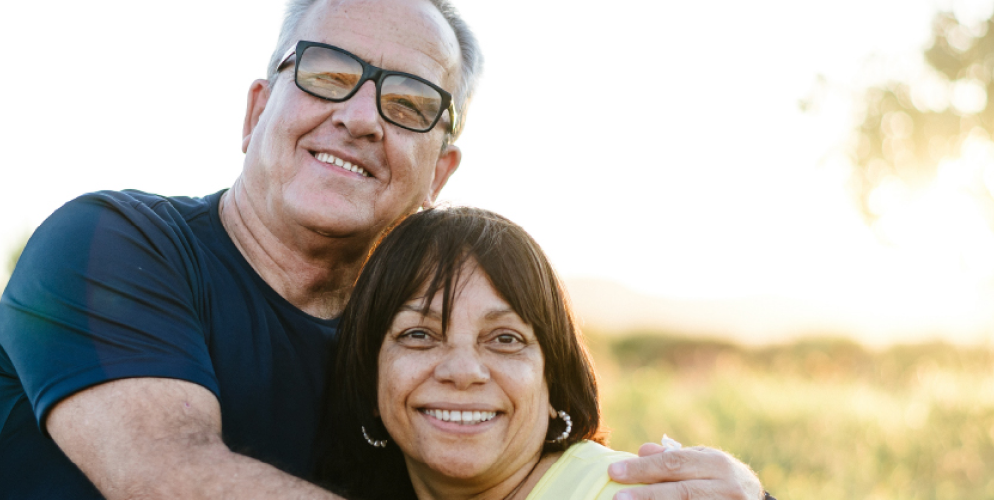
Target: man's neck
x=312 y=272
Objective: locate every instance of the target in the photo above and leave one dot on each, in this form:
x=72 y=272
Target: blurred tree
x=909 y=127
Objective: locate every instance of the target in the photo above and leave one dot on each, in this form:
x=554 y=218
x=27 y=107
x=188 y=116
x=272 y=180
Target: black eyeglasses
x=405 y=100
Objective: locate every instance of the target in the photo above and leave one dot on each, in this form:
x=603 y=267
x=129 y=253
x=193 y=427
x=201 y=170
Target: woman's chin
x=464 y=457
x=460 y=468
x=470 y=464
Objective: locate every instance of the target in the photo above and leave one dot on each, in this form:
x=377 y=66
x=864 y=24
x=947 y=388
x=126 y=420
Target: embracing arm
x=696 y=473
x=161 y=438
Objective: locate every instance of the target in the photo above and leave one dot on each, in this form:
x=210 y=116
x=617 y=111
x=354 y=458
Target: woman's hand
x=696 y=473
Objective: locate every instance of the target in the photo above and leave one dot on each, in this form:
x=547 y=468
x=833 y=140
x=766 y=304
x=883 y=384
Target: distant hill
x=608 y=307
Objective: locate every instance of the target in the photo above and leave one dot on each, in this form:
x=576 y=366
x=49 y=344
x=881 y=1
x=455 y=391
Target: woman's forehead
x=470 y=286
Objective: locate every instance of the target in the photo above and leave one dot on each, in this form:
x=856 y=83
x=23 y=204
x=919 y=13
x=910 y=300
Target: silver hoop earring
x=375 y=443
x=569 y=427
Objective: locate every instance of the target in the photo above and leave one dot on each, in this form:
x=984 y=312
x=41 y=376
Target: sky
x=658 y=146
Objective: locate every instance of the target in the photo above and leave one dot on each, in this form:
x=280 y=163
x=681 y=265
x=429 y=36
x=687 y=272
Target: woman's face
x=471 y=404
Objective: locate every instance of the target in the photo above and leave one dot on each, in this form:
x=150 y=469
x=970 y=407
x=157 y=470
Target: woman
x=461 y=373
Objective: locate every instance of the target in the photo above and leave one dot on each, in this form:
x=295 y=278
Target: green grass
x=818 y=419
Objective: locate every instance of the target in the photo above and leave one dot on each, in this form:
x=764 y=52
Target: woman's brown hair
x=427 y=251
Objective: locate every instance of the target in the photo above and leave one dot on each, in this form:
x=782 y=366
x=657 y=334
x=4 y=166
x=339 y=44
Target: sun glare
x=944 y=221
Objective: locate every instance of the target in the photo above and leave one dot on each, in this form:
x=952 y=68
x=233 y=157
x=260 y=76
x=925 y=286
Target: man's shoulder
x=131 y=200
x=109 y=216
x=107 y=234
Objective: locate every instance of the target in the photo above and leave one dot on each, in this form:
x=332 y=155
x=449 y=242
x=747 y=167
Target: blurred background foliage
x=912 y=126
x=818 y=418
x=10 y=260
x=15 y=255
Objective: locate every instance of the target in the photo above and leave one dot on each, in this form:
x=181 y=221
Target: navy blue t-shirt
x=127 y=284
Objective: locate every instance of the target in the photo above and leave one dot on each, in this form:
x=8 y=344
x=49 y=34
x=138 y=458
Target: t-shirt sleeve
x=581 y=474
x=106 y=288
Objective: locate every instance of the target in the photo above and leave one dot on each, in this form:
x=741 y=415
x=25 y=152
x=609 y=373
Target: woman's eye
x=415 y=335
x=418 y=338
x=507 y=342
x=506 y=338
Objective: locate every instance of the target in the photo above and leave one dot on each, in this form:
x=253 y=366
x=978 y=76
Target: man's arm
x=161 y=438
x=696 y=473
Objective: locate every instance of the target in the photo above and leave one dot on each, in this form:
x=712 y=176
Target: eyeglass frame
x=377 y=75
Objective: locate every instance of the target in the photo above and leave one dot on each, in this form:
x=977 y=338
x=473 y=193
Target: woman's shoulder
x=591 y=452
x=580 y=474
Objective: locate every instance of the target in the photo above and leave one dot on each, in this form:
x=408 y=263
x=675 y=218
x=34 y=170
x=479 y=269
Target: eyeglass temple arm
x=286 y=57
x=454 y=118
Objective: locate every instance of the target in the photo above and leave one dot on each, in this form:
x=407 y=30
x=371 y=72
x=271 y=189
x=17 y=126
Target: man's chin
x=338 y=217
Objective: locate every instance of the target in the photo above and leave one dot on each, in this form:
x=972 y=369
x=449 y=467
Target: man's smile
x=332 y=160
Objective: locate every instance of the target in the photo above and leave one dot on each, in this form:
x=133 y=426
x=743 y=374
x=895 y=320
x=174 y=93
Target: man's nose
x=463 y=367
x=359 y=114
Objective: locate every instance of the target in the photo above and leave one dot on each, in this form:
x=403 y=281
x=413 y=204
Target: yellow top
x=581 y=474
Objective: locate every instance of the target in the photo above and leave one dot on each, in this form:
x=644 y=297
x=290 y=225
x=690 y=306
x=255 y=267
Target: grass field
x=817 y=419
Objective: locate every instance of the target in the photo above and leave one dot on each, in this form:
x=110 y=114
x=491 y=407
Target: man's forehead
x=404 y=35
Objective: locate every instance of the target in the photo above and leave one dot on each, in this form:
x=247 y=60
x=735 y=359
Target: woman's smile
x=464 y=417
x=461 y=424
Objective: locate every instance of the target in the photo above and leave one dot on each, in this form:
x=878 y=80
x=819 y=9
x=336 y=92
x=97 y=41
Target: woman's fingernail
x=624 y=495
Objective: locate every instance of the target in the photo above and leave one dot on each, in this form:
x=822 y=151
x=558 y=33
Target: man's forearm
x=208 y=472
x=161 y=438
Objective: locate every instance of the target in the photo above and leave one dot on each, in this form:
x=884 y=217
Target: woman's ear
x=552 y=412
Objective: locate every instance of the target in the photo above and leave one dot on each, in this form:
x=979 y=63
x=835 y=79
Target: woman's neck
x=515 y=486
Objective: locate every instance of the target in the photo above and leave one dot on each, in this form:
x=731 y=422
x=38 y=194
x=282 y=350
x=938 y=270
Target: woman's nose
x=462 y=367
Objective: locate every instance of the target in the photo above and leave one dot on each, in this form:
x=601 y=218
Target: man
x=177 y=348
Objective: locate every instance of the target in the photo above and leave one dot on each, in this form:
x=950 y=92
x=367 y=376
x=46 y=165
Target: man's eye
x=402 y=109
x=347 y=80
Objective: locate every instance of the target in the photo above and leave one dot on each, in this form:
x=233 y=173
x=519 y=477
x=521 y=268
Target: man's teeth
x=461 y=417
x=331 y=160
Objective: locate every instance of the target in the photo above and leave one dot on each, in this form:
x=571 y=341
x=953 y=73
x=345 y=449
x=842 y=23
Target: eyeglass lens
x=404 y=101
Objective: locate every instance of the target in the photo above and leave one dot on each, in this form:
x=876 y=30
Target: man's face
x=294 y=141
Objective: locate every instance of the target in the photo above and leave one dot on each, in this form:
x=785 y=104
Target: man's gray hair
x=471 y=63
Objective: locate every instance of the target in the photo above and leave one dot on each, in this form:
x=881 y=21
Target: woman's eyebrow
x=496 y=313
x=418 y=308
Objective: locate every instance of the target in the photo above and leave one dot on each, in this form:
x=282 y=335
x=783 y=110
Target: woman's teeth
x=461 y=417
x=331 y=160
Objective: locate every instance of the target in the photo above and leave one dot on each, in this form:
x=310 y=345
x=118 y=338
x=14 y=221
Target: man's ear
x=258 y=96
x=447 y=163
